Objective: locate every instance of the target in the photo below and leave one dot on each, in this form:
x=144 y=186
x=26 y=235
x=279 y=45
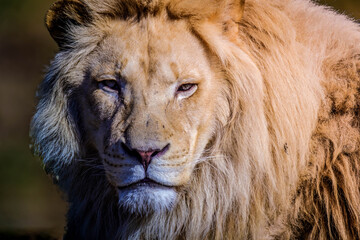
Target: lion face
x=149 y=107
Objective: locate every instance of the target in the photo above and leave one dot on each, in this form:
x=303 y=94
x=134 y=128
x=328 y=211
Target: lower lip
x=144 y=183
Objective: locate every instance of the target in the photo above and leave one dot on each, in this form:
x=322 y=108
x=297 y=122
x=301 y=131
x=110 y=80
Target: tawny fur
x=284 y=161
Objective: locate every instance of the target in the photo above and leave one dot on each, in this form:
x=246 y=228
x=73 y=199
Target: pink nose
x=145 y=157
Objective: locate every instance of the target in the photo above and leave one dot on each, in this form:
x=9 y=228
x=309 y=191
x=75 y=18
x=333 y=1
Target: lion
x=203 y=119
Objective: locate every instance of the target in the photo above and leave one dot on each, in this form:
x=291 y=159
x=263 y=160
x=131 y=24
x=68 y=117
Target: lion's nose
x=146 y=156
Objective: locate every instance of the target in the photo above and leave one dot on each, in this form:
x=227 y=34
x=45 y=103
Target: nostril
x=154 y=153
x=161 y=152
x=158 y=152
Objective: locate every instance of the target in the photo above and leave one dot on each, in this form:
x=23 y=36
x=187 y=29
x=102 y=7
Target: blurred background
x=29 y=203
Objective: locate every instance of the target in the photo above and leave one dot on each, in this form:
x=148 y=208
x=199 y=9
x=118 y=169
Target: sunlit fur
x=284 y=158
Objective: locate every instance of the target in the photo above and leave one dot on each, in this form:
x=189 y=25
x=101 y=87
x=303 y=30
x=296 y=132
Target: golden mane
x=284 y=165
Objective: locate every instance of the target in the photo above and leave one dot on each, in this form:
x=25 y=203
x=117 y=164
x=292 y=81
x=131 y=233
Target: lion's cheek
x=171 y=175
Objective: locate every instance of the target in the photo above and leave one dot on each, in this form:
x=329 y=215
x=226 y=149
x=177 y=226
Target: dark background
x=29 y=203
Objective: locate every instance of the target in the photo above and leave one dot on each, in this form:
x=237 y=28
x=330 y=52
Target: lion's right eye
x=109 y=86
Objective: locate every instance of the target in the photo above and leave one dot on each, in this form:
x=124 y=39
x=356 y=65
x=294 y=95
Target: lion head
x=158 y=109
x=148 y=108
x=166 y=119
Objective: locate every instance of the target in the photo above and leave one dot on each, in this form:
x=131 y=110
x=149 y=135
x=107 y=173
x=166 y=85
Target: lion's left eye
x=186 y=90
x=186 y=87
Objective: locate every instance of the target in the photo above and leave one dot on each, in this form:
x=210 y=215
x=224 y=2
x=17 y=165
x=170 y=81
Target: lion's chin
x=144 y=198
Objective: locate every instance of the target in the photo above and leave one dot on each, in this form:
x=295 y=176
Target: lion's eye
x=185 y=87
x=108 y=85
x=186 y=90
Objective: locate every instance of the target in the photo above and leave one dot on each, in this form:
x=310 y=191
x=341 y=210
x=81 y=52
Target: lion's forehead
x=147 y=53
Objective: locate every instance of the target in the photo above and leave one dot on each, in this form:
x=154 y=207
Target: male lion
x=203 y=119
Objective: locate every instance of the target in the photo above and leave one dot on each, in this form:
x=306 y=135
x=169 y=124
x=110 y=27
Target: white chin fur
x=142 y=200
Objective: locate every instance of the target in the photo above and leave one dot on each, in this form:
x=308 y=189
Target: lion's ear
x=63 y=15
x=230 y=17
x=227 y=13
x=234 y=9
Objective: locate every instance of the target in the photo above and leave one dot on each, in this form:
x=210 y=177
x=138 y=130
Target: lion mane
x=284 y=160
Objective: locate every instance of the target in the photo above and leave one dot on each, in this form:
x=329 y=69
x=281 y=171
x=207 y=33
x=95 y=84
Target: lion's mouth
x=146 y=182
